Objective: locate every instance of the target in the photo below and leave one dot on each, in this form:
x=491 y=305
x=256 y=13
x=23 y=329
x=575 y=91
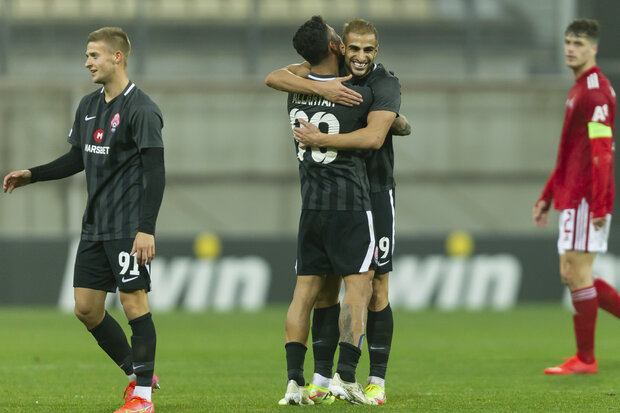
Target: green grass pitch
x=234 y=362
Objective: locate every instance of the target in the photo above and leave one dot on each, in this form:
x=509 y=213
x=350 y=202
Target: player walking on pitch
x=360 y=47
x=582 y=187
x=116 y=139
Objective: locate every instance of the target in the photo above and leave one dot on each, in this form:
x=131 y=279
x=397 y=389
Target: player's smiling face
x=100 y=61
x=359 y=53
x=578 y=51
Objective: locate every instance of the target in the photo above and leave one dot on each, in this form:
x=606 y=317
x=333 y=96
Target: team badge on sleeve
x=116 y=120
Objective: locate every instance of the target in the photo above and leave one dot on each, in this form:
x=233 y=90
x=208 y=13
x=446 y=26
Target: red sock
x=608 y=297
x=584 y=320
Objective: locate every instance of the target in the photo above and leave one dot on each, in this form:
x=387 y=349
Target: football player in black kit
x=335 y=207
x=360 y=47
x=116 y=139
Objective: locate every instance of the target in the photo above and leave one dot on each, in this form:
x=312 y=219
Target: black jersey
x=111 y=136
x=331 y=179
x=386 y=96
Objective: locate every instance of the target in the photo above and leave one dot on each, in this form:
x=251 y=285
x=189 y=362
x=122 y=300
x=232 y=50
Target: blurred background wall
x=483 y=84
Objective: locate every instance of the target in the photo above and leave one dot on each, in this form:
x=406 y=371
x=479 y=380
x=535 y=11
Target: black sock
x=295 y=355
x=347 y=361
x=112 y=339
x=143 y=342
x=325 y=335
x=379 y=331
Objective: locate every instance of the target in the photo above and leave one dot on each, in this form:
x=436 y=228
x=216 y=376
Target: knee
x=88 y=314
x=379 y=297
x=566 y=276
x=133 y=308
x=571 y=277
x=327 y=299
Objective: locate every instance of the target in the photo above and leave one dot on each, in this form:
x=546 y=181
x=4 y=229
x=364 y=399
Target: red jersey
x=585 y=164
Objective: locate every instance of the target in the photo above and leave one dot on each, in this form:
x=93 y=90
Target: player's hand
x=599 y=222
x=540 y=214
x=144 y=248
x=308 y=134
x=16 y=179
x=334 y=91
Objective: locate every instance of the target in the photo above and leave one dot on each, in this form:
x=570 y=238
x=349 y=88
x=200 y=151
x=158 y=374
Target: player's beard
x=366 y=73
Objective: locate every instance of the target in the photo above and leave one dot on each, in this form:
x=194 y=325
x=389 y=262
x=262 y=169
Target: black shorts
x=383 y=214
x=106 y=265
x=335 y=242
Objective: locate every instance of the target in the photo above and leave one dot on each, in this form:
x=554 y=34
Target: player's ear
x=335 y=47
x=342 y=48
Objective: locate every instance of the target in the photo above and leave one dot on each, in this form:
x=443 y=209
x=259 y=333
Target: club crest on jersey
x=98 y=135
x=116 y=120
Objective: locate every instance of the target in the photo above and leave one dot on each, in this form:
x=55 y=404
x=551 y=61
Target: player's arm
x=154 y=173
x=381 y=117
x=67 y=165
x=147 y=123
x=293 y=78
x=370 y=137
x=400 y=126
x=600 y=134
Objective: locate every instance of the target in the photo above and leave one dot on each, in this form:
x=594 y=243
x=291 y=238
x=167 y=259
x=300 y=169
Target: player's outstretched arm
x=370 y=137
x=400 y=126
x=293 y=78
x=16 y=179
x=67 y=165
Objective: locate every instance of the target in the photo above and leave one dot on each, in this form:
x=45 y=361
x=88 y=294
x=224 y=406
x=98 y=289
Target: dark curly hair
x=311 y=40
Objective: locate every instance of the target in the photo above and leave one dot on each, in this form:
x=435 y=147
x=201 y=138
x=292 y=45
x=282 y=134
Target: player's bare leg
x=298 y=316
x=576 y=272
x=380 y=328
x=89 y=306
x=358 y=289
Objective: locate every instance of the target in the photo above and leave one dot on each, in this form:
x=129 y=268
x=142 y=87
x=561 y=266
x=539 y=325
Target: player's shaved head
x=114 y=37
x=588 y=28
x=359 y=26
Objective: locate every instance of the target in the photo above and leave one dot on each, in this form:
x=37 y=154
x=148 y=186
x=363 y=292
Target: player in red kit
x=582 y=187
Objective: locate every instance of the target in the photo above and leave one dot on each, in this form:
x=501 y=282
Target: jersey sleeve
x=547 y=193
x=599 y=120
x=147 y=123
x=74 y=134
x=386 y=94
